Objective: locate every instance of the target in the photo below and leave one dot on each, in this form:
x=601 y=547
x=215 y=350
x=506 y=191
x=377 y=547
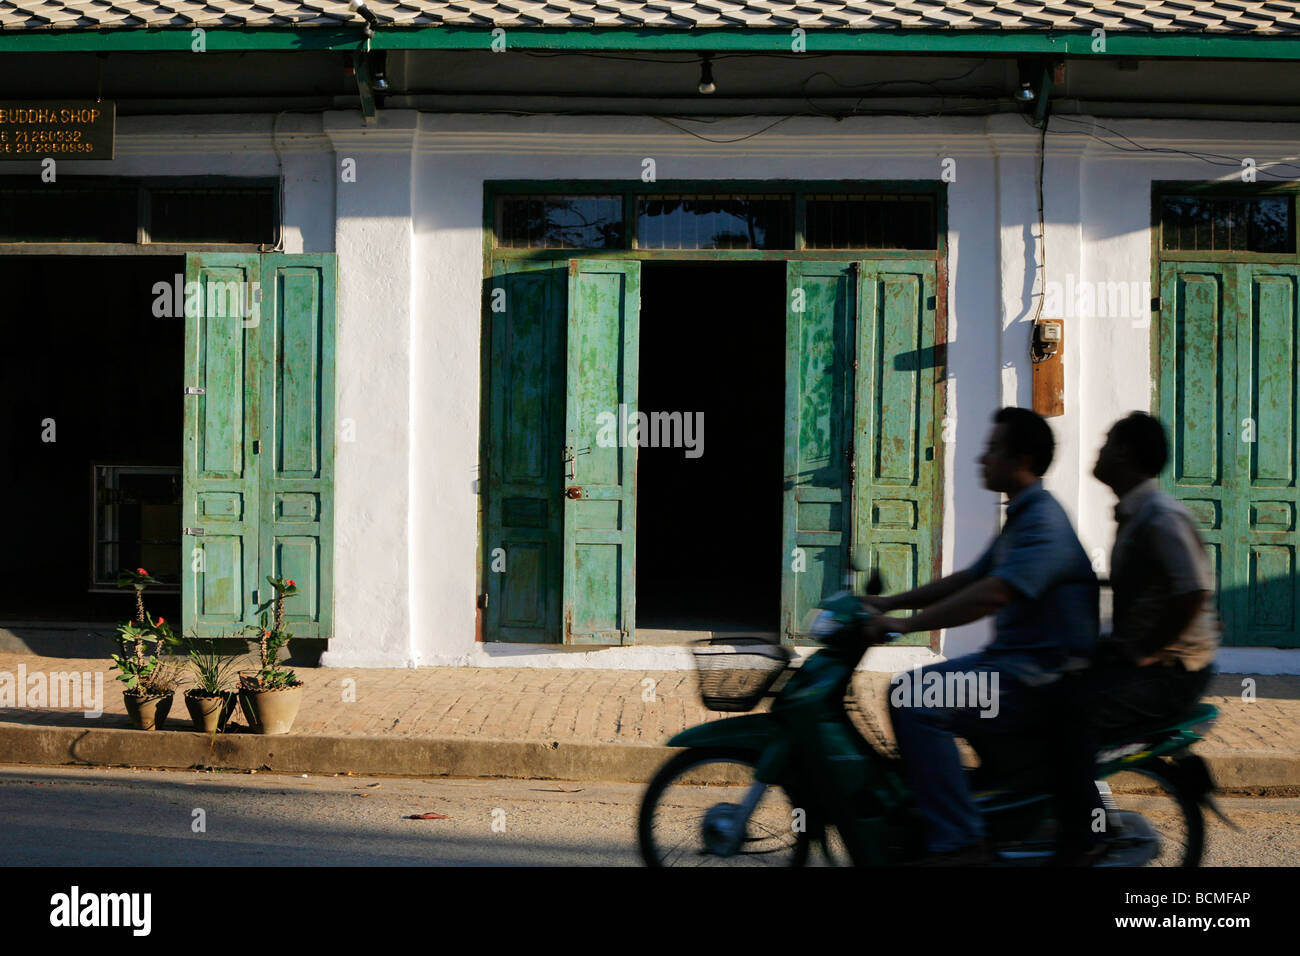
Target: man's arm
x=926 y=594
x=978 y=599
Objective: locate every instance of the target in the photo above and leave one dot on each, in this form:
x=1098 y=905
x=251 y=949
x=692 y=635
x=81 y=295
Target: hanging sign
x=62 y=129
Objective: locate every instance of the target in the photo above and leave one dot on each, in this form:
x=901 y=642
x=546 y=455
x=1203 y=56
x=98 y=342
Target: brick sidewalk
x=591 y=706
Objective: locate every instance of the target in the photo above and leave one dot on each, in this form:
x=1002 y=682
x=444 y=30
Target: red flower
x=290 y=584
x=162 y=620
x=142 y=571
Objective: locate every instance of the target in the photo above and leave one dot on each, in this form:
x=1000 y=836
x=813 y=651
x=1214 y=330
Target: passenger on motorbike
x=1037 y=580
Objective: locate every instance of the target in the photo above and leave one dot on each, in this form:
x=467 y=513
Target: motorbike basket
x=735 y=673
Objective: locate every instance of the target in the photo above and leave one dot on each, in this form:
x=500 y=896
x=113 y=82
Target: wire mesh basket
x=735 y=673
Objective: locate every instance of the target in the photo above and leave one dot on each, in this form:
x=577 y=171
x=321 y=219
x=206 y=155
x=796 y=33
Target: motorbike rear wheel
x=680 y=822
x=1170 y=811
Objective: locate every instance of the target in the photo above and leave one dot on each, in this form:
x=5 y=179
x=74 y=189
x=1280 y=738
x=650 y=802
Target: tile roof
x=1239 y=17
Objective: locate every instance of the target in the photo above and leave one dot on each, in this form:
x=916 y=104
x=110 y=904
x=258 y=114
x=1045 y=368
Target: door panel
x=895 y=524
x=1198 y=355
x=525 y=443
x=1265 y=498
x=599 y=501
x=297 y=449
x=220 y=485
x=821 y=298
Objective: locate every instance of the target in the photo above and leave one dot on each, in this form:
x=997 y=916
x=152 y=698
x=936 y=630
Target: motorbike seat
x=1158 y=730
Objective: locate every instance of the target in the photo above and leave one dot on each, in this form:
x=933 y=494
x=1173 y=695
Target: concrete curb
x=443 y=756
x=393 y=756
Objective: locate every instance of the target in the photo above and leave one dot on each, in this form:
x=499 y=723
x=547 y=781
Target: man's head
x=1135 y=450
x=1018 y=452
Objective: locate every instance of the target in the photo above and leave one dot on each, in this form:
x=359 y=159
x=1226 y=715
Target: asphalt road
x=74 y=817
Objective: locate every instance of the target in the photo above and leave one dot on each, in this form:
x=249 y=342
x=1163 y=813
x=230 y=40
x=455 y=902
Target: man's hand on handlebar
x=882 y=629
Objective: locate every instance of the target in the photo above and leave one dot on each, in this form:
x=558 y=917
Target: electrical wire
x=1136 y=147
x=739 y=139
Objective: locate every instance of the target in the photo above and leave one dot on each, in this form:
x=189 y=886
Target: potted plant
x=211 y=700
x=150 y=679
x=270 y=697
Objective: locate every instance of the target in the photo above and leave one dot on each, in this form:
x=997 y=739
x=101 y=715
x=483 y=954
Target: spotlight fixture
x=706 y=74
x=1030 y=73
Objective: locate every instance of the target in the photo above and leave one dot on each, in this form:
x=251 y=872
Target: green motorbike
x=762 y=789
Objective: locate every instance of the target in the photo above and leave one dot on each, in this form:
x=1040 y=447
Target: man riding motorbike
x=1157 y=660
x=1037 y=580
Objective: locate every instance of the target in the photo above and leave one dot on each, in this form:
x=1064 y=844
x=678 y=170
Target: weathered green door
x=860 y=455
x=259 y=439
x=524 y=451
x=604 y=306
x=821 y=299
x=1228 y=396
x=897 y=521
x=220 y=510
x=296 y=451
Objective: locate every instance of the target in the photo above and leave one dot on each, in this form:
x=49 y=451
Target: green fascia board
x=579 y=39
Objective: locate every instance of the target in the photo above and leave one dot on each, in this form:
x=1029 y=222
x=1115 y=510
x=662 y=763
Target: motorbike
x=764 y=788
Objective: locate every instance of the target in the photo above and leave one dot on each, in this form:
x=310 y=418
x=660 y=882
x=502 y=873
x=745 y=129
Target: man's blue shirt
x=1051 y=619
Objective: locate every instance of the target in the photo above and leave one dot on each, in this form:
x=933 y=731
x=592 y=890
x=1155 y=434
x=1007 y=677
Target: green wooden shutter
x=296 y=453
x=259 y=439
x=599 y=504
x=1198 y=358
x=523 y=449
x=1228 y=382
x=821 y=298
x=860 y=452
x=1265 y=499
x=896 y=518
x=220 y=509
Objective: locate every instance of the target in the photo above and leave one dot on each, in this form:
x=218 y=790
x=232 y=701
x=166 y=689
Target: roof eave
x=1081 y=43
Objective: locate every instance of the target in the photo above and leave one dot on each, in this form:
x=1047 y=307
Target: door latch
x=197 y=532
x=195 y=390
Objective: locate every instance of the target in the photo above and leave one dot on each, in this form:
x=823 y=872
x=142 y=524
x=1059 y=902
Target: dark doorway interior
x=87 y=364
x=709 y=528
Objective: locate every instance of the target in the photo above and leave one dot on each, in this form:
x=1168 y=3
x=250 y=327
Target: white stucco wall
x=408 y=233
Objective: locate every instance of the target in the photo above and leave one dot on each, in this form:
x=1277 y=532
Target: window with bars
x=707 y=221
x=1227 y=224
x=130 y=211
x=887 y=221
x=560 y=222
x=715 y=222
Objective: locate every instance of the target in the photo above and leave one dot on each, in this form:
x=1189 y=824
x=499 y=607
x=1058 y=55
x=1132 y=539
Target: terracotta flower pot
x=148 y=713
x=270 y=711
x=210 y=713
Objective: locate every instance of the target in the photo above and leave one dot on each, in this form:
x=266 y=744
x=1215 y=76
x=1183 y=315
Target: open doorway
x=708 y=520
x=90 y=436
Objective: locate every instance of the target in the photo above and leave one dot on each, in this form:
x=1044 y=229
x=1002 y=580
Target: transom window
x=92 y=209
x=1227 y=224
x=758 y=220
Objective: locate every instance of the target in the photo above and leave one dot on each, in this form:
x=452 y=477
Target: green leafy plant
x=154 y=673
x=271 y=639
x=211 y=670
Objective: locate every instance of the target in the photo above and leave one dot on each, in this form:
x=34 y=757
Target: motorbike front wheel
x=692 y=806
